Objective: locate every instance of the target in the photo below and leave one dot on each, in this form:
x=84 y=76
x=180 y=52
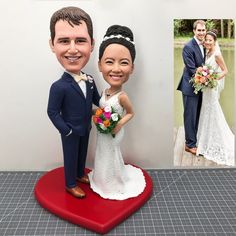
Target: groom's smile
x=200 y=32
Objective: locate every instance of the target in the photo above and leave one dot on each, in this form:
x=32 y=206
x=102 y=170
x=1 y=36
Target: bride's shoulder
x=123 y=97
x=217 y=54
x=122 y=94
x=217 y=51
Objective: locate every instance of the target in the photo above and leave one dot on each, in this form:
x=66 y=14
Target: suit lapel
x=204 y=55
x=77 y=88
x=89 y=89
x=198 y=48
x=74 y=84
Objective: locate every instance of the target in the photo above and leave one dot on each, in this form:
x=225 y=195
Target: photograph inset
x=204 y=93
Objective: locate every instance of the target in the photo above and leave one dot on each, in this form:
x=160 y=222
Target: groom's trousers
x=192 y=107
x=74 y=152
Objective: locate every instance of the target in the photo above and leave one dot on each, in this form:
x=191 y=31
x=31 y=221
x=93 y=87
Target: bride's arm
x=126 y=104
x=220 y=61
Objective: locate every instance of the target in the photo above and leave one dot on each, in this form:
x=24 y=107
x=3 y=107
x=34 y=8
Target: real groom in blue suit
x=193 y=57
x=71 y=97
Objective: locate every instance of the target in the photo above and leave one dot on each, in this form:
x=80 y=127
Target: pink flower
x=107 y=115
x=99 y=120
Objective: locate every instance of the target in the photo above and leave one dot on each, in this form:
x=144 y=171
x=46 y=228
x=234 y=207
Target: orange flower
x=98 y=112
x=203 y=80
x=95 y=119
x=106 y=123
x=197 y=78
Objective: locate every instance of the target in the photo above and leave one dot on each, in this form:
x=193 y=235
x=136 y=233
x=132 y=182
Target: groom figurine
x=193 y=57
x=71 y=97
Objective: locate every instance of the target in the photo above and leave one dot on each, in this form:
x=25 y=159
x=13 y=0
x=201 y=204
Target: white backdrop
x=28 y=140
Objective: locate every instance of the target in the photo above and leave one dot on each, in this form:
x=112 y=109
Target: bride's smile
x=209 y=43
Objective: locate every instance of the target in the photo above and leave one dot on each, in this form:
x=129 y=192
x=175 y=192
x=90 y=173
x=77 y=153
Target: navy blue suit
x=192 y=58
x=68 y=109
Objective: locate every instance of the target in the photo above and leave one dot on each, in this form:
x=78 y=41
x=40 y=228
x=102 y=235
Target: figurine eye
x=125 y=62
x=80 y=40
x=109 y=62
x=63 y=41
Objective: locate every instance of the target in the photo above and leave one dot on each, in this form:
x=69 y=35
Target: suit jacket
x=192 y=58
x=67 y=106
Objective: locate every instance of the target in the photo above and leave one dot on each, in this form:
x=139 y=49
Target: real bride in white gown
x=111 y=178
x=215 y=138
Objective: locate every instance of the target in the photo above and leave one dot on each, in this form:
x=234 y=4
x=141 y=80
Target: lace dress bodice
x=212 y=62
x=112 y=101
x=111 y=178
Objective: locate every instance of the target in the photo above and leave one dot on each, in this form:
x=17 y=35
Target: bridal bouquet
x=205 y=77
x=106 y=119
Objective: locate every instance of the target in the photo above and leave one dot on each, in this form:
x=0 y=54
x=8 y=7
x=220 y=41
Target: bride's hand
x=117 y=128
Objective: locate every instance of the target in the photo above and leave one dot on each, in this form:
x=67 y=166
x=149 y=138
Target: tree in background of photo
x=225 y=27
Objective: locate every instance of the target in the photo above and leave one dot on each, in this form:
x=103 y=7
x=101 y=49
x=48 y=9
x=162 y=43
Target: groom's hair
x=74 y=16
x=201 y=22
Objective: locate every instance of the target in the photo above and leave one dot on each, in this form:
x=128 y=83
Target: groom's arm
x=189 y=60
x=55 y=101
x=96 y=96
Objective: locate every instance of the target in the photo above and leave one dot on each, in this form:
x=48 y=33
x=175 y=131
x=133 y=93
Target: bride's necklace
x=108 y=94
x=209 y=53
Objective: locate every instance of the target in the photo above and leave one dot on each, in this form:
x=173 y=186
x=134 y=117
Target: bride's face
x=116 y=64
x=209 y=42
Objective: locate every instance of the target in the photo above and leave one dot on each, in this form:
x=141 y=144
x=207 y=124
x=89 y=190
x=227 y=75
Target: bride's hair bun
x=122 y=30
x=213 y=33
x=121 y=35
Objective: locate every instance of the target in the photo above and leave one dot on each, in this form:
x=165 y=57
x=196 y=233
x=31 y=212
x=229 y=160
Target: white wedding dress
x=111 y=178
x=215 y=139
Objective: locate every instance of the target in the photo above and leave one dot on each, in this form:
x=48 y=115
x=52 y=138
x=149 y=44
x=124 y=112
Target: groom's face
x=200 y=32
x=72 y=45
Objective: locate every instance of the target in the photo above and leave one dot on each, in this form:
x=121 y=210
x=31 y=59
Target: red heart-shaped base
x=92 y=212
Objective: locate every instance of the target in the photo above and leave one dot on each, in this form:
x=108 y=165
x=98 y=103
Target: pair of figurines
x=72 y=96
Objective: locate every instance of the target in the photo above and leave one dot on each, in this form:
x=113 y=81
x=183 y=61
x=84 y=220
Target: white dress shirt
x=81 y=83
x=200 y=46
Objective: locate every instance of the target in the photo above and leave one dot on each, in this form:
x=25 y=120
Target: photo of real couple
x=204 y=93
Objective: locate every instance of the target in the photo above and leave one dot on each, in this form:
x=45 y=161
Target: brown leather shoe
x=84 y=179
x=76 y=192
x=192 y=150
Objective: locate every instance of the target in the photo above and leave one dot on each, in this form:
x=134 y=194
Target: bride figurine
x=111 y=178
x=215 y=139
